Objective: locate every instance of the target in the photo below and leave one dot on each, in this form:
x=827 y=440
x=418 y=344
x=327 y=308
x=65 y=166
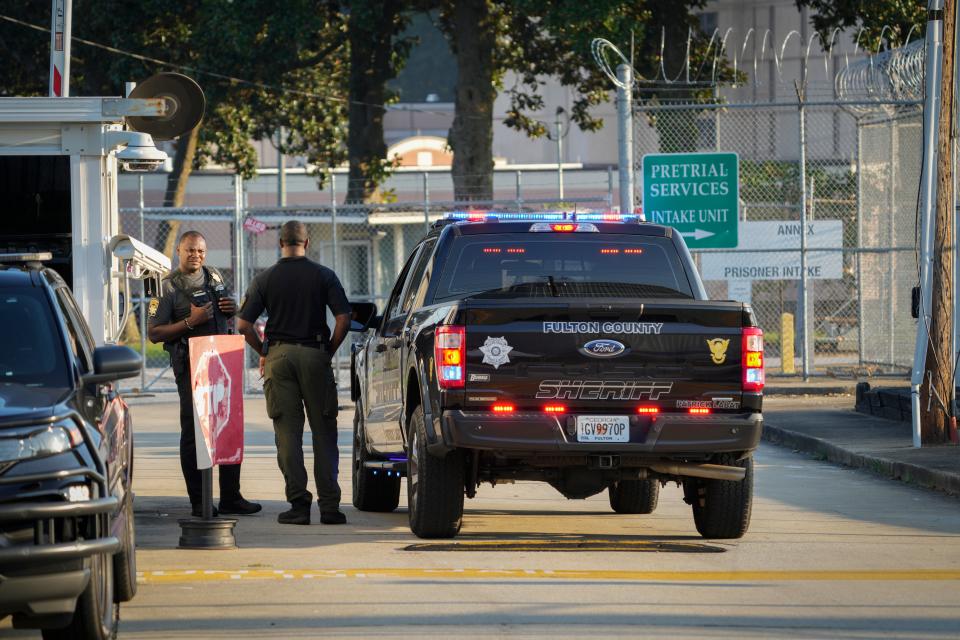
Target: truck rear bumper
x=673 y=434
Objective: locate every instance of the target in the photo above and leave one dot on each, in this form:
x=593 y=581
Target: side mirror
x=364 y=314
x=113 y=362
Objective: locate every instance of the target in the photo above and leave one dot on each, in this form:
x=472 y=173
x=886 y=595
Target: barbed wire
x=888 y=74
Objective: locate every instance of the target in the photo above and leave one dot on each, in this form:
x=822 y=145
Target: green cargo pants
x=296 y=377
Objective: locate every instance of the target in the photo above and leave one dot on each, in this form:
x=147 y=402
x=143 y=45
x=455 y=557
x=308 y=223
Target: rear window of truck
x=562 y=265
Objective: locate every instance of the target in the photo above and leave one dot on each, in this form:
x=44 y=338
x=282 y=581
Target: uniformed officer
x=296 y=364
x=194 y=302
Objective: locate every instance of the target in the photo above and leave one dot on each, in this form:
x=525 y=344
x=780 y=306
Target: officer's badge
x=154 y=305
x=495 y=351
x=718 y=350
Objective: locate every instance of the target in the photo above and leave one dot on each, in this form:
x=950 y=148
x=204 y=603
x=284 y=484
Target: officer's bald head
x=293 y=233
x=190 y=235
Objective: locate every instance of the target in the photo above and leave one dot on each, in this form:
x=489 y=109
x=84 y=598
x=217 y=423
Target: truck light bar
x=543 y=216
x=564 y=227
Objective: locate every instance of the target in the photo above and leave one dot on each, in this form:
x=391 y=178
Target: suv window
x=393 y=306
x=30 y=351
x=416 y=276
x=77 y=333
x=545 y=265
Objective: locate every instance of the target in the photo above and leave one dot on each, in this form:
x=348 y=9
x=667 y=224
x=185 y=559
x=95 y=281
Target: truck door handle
x=381 y=347
x=396 y=343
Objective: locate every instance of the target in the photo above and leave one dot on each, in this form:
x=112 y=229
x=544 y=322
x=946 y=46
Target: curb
x=948 y=483
x=801 y=390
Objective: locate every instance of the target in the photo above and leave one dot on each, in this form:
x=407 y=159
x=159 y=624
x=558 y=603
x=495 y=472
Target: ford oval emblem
x=603 y=349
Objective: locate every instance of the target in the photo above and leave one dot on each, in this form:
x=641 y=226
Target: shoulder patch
x=215 y=275
x=152 y=309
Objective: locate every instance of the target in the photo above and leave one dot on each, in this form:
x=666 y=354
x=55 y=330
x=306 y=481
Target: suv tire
x=634 y=495
x=380 y=493
x=721 y=508
x=96 y=615
x=434 y=485
x=125 y=560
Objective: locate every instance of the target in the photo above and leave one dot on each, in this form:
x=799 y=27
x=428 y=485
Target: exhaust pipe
x=709 y=471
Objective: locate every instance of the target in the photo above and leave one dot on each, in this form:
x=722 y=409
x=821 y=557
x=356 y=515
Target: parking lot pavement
x=831 y=553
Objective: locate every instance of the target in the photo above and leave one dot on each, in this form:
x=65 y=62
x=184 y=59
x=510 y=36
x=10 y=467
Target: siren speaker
x=185 y=105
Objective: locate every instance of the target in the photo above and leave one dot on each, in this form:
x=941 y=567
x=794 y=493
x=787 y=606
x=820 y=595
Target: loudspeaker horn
x=185 y=105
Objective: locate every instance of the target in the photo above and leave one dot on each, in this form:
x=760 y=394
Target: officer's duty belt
x=310 y=344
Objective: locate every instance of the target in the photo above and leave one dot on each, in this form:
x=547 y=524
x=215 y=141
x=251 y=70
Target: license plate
x=603 y=428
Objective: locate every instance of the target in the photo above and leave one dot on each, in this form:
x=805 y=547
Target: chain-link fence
x=860 y=166
x=367 y=245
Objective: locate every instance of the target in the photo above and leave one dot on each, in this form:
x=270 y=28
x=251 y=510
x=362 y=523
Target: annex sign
x=696 y=193
x=782 y=262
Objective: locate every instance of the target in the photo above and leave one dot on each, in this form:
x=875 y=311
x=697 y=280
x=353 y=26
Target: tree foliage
x=886 y=22
x=536 y=40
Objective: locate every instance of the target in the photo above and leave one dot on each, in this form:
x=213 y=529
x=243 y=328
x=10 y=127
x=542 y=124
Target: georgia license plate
x=603 y=429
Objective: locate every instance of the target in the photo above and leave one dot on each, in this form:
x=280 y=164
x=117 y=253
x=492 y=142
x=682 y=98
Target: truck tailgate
x=603 y=355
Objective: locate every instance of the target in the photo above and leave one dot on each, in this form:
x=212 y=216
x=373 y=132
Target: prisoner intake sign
x=696 y=193
x=216 y=371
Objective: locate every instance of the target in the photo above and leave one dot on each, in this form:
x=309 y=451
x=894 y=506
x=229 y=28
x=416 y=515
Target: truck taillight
x=752 y=361
x=450 y=352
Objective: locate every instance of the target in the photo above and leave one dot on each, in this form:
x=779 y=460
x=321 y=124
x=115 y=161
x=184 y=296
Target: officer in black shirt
x=194 y=302
x=296 y=364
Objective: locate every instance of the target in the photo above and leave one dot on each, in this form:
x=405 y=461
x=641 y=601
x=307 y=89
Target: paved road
x=831 y=553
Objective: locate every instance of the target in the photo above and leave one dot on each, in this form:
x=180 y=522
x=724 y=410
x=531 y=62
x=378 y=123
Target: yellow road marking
x=223 y=575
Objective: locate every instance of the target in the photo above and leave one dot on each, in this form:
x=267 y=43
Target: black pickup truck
x=577 y=350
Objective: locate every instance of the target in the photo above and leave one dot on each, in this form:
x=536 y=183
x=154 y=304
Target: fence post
x=891 y=298
x=519 y=192
x=426 y=202
x=143 y=295
x=860 y=313
x=625 y=136
x=281 y=170
x=238 y=251
x=333 y=234
x=804 y=318
x=609 y=187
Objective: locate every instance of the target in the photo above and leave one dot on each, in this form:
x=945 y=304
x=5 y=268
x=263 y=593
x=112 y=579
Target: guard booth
x=59 y=164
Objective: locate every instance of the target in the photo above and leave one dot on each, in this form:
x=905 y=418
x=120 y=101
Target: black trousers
x=229 y=473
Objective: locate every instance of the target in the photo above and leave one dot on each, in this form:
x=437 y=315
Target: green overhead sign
x=696 y=193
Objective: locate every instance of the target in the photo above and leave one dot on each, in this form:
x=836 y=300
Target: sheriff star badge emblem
x=495 y=351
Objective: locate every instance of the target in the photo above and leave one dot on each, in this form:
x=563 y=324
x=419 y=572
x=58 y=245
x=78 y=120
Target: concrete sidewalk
x=829 y=428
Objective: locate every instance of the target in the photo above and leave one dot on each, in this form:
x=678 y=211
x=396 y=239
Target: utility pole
x=936 y=419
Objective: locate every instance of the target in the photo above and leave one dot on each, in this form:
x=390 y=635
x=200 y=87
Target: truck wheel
x=125 y=560
x=721 y=508
x=96 y=614
x=371 y=492
x=634 y=495
x=434 y=486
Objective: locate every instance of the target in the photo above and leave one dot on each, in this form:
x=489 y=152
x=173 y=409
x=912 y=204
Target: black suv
x=66 y=461
x=581 y=351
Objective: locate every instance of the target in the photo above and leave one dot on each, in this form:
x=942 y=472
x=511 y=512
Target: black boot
x=239 y=507
x=298 y=514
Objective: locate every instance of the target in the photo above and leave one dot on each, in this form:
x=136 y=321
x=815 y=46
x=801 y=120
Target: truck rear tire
x=721 y=508
x=371 y=491
x=634 y=496
x=434 y=485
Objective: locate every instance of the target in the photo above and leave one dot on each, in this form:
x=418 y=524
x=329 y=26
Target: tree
x=377 y=54
x=890 y=19
x=535 y=40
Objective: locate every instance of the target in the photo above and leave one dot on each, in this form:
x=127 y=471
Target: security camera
x=141 y=261
x=137 y=151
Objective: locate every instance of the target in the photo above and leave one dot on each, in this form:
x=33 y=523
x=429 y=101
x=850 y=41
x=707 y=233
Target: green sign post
x=696 y=193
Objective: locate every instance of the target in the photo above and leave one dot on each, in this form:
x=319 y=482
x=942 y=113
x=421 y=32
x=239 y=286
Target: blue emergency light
x=542 y=216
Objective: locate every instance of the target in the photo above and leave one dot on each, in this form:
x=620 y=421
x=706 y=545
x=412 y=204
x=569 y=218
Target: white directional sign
x=778 y=263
